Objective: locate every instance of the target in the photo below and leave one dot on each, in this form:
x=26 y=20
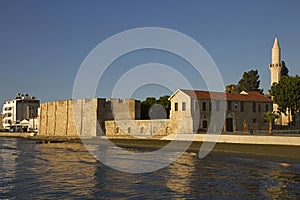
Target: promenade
x=239 y=138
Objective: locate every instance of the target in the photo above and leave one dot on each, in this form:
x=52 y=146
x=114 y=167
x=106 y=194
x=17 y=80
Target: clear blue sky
x=43 y=43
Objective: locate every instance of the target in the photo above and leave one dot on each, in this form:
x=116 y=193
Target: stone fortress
x=191 y=112
x=84 y=116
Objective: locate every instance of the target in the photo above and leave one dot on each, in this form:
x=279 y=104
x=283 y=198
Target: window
x=254 y=120
x=203 y=106
x=242 y=107
x=253 y=107
x=176 y=106
x=204 y=124
x=267 y=107
x=209 y=106
x=259 y=108
x=229 y=105
x=235 y=104
x=217 y=105
x=183 y=106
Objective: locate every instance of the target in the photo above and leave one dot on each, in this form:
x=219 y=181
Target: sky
x=44 y=43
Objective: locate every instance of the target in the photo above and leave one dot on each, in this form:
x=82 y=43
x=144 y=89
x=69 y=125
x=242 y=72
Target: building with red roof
x=196 y=111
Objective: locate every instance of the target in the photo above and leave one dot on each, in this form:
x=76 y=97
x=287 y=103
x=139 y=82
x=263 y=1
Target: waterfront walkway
x=238 y=139
x=226 y=138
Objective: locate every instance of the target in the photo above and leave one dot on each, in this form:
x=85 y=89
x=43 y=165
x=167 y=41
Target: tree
x=150 y=101
x=286 y=94
x=232 y=88
x=164 y=101
x=250 y=82
x=145 y=106
x=284 y=69
x=270 y=116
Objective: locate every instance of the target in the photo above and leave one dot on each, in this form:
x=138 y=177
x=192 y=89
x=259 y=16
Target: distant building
x=192 y=110
x=22 y=107
x=1 y=122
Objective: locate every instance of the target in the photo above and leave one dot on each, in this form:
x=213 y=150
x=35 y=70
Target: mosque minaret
x=276 y=66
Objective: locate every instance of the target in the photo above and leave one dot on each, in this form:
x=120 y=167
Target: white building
x=20 y=108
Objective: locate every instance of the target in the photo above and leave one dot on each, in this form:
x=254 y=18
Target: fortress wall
x=89 y=117
x=138 y=128
x=43 y=119
x=61 y=116
x=101 y=116
x=69 y=118
x=74 y=117
x=123 y=109
x=51 y=118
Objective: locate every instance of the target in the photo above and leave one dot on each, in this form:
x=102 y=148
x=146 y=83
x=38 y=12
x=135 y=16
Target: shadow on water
x=69 y=171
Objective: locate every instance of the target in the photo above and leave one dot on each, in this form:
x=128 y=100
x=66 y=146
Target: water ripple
x=69 y=171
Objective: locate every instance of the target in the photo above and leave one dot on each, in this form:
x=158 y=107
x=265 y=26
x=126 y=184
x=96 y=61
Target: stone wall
x=122 y=109
x=139 y=128
x=58 y=118
x=181 y=116
x=69 y=118
x=254 y=120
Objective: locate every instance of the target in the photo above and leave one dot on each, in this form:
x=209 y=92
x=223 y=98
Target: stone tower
x=275 y=69
x=276 y=66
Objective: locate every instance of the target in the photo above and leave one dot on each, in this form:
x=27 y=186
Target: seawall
x=237 y=139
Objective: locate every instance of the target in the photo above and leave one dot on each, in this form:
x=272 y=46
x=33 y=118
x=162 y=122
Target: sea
x=69 y=171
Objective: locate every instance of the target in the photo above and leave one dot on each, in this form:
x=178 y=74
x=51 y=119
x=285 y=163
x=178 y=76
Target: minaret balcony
x=275 y=65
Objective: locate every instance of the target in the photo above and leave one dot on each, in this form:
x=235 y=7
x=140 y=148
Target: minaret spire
x=276 y=52
x=275 y=66
x=276 y=43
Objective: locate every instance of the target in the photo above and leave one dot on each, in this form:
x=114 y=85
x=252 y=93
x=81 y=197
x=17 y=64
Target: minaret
x=275 y=67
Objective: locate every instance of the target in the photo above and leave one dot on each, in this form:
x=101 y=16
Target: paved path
x=237 y=139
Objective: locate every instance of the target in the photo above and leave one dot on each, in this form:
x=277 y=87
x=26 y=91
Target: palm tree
x=270 y=116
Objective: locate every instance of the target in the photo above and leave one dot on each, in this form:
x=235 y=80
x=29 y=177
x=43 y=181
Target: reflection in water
x=179 y=174
x=68 y=171
x=278 y=183
x=8 y=155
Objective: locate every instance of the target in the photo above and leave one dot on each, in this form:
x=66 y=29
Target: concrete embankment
x=18 y=135
x=279 y=148
x=237 y=139
x=40 y=138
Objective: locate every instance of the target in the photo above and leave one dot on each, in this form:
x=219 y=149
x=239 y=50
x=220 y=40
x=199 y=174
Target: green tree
x=150 y=101
x=284 y=69
x=270 y=116
x=286 y=94
x=164 y=101
x=250 y=82
x=145 y=106
x=232 y=88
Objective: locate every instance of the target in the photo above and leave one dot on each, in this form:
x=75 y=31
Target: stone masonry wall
x=138 y=128
x=58 y=118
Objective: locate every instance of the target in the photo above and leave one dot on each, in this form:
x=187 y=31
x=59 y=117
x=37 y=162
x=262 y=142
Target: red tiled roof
x=250 y=96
